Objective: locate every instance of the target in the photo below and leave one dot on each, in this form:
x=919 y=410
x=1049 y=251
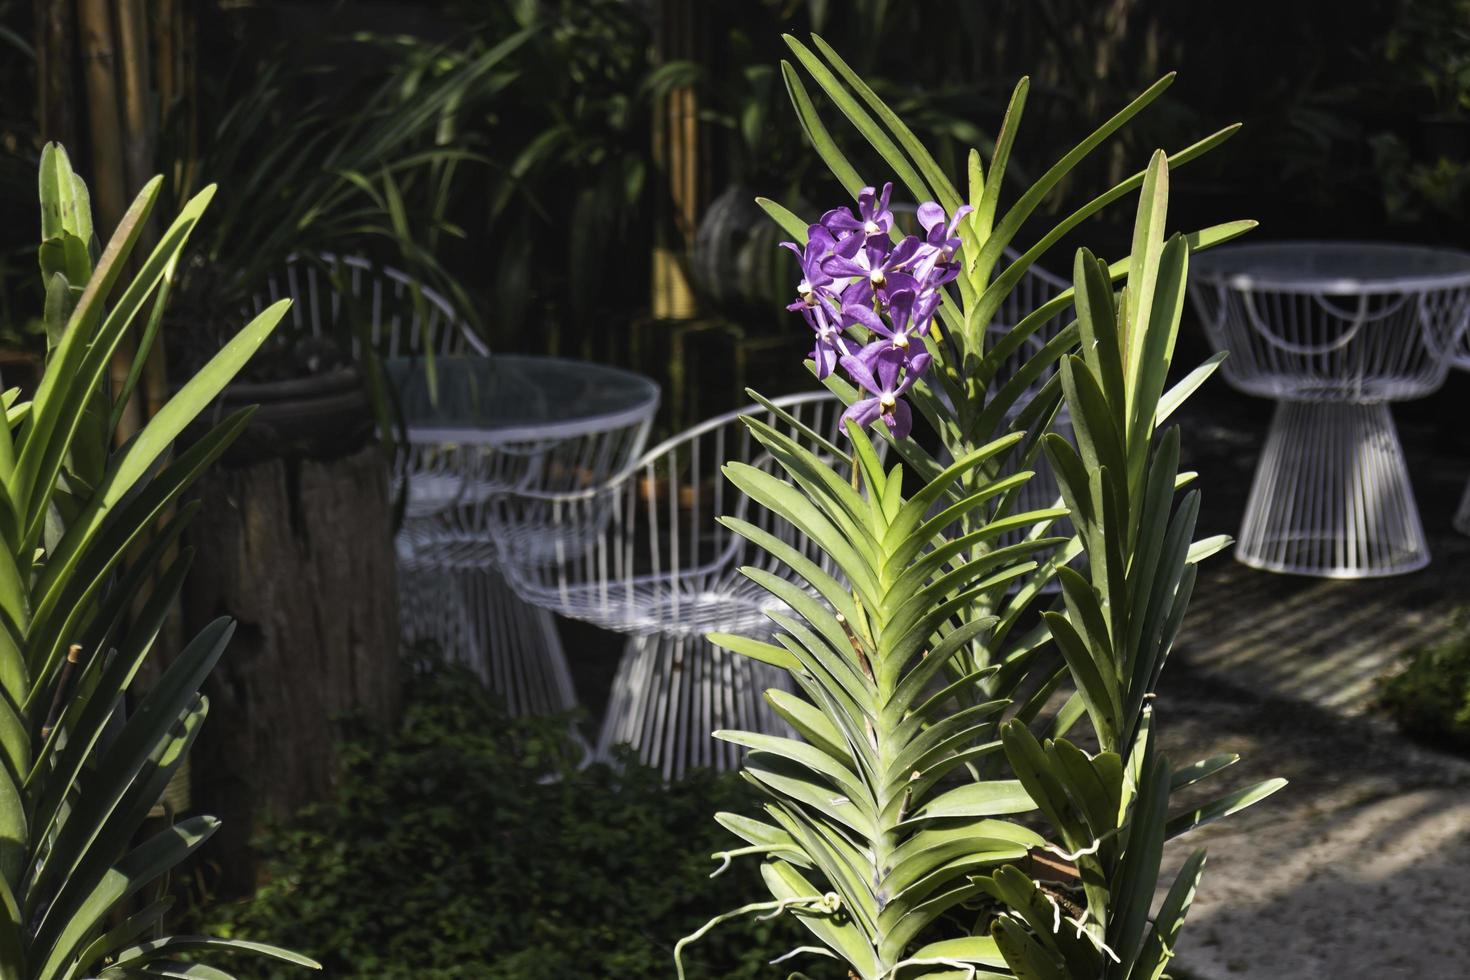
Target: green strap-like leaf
x=161 y=430
x=991 y=798
x=173 y=945
x=141 y=866
x=822 y=140
x=1224 y=806
x=865 y=124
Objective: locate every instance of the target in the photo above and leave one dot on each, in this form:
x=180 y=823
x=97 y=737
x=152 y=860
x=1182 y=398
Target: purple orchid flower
x=831 y=344
x=886 y=375
x=909 y=314
x=939 y=235
x=819 y=245
x=873 y=218
x=853 y=274
x=941 y=243
x=878 y=267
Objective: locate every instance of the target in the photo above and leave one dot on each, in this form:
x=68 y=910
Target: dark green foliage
x=447 y=855
x=1430 y=698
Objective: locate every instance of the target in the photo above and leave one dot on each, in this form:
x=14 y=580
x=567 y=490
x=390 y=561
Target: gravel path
x=1354 y=870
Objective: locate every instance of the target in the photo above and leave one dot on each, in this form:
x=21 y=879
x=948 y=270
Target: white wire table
x=479 y=428
x=1334 y=332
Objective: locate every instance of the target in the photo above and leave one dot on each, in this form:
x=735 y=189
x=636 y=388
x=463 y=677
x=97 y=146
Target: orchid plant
x=934 y=815
x=90 y=568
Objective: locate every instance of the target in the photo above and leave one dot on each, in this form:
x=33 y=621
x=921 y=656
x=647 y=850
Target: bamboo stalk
x=55 y=37
x=187 y=50
x=676 y=155
x=109 y=168
x=165 y=57
x=99 y=69
x=132 y=46
x=139 y=156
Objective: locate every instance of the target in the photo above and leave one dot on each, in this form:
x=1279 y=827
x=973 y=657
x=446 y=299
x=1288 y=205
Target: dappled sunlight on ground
x=1355 y=870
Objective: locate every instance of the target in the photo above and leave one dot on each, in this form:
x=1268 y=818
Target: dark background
x=1355 y=126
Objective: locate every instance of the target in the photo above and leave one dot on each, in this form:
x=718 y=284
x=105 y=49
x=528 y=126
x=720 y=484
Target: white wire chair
x=1461 y=360
x=451 y=592
x=647 y=556
x=325 y=288
x=1334 y=332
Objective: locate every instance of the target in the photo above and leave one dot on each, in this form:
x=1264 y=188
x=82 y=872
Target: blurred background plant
x=567 y=215
x=1425 y=72
x=19 y=152
x=379 y=179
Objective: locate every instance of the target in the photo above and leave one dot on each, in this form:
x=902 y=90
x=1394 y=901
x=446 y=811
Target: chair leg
x=478 y=621
x=672 y=692
x=1462 y=515
x=430 y=613
x=1331 y=496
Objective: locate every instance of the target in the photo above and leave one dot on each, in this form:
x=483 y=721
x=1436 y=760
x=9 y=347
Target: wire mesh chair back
x=1305 y=345
x=1462 y=361
x=557 y=495
x=648 y=553
x=326 y=289
x=1461 y=356
x=534 y=499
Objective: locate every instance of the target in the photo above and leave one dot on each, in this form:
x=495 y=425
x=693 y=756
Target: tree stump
x=300 y=553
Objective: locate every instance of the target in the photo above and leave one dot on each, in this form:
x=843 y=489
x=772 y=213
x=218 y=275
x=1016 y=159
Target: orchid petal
x=862 y=412
x=930 y=214
x=900 y=420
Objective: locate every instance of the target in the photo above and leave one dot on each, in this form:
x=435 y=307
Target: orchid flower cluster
x=855 y=275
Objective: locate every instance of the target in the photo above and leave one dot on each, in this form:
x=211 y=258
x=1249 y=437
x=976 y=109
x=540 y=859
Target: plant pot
x=323 y=416
x=735 y=263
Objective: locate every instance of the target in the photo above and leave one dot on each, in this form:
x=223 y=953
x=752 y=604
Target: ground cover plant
x=448 y=854
x=937 y=816
x=1429 y=697
x=89 y=569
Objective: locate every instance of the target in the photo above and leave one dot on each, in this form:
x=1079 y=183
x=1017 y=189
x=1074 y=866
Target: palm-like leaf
x=86 y=580
x=1122 y=485
x=864 y=836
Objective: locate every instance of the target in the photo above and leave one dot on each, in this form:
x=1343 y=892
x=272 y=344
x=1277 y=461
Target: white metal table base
x=671 y=692
x=1331 y=495
x=477 y=620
